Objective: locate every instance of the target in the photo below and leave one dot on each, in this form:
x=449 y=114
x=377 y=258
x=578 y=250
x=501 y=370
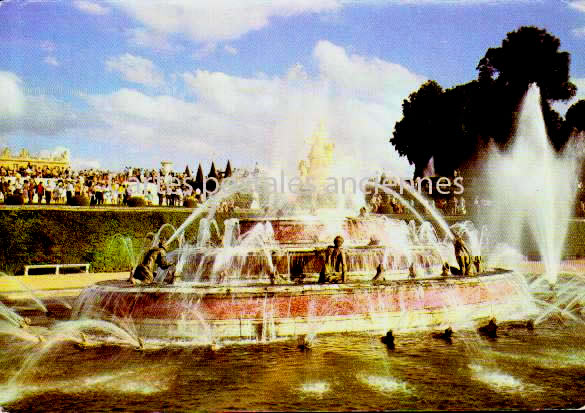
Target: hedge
x=51 y=236
x=79 y=200
x=190 y=203
x=136 y=201
x=14 y=199
x=108 y=239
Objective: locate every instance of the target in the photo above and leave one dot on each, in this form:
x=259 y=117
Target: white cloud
x=579 y=32
x=51 y=60
x=12 y=99
x=268 y=119
x=37 y=114
x=206 y=21
x=135 y=118
x=84 y=163
x=57 y=151
x=48 y=46
x=577 y=5
x=205 y=50
x=141 y=37
x=136 y=69
x=440 y=2
x=230 y=50
x=364 y=77
x=90 y=7
x=213 y=22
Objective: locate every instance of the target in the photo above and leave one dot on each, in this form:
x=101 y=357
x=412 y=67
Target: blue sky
x=133 y=82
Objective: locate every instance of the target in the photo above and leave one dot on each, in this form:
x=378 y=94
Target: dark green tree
x=462 y=126
x=575 y=117
x=228 y=170
x=416 y=134
x=212 y=172
x=529 y=55
x=454 y=126
x=198 y=184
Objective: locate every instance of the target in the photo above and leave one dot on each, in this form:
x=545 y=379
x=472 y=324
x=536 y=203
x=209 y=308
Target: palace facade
x=23 y=159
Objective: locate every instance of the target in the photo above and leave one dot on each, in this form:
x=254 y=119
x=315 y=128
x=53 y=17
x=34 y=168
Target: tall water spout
x=534 y=186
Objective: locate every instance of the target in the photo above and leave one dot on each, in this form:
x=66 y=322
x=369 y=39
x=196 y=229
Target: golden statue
x=320 y=156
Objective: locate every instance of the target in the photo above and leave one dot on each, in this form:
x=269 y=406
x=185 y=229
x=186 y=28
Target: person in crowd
x=121 y=194
x=40 y=191
x=161 y=194
x=99 y=193
x=49 y=191
x=462 y=209
x=70 y=191
x=178 y=193
x=127 y=193
x=62 y=192
x=169 y=196
x=31 y=188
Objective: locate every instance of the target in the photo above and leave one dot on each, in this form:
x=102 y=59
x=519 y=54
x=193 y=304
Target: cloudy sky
x=133 y=82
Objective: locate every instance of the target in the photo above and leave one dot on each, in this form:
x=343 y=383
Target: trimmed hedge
x=52 y=236
x=189 y=203
x=14 y=200
x=109 y=239
x=136 y=201
x=79 y=200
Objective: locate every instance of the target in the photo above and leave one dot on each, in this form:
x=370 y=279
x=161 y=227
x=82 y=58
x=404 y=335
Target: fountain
x=252 y=281
x=533 y=186
x=260 y=278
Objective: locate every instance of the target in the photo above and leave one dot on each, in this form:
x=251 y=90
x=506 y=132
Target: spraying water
x=534 y=186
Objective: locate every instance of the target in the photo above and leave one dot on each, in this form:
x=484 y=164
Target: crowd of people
x=100 y=187
x=59 y=185
x=389 y=204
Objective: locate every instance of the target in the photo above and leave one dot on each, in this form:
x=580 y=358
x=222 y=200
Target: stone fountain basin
x=207 y=313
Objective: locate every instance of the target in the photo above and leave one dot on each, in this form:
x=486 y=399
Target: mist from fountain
x=435 y=214
x=158 y=235
x=69 y=331
x=11 y=316
x=231 y=232
x=23 y=287
x=9 y=329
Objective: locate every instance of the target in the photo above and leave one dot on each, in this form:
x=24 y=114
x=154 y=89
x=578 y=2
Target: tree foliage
x=529 y=55
x=455 y=125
